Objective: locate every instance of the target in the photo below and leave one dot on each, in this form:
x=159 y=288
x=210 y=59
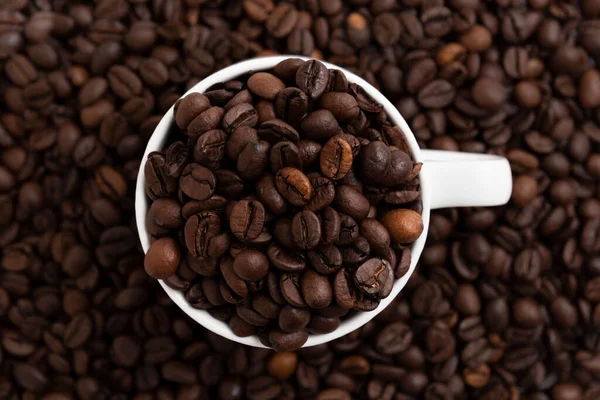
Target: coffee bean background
x=505 y=301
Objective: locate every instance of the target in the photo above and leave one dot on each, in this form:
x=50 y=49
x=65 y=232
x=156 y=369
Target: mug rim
x=157 y=141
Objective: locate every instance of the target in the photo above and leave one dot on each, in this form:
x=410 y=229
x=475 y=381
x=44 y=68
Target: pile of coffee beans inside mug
x=285 y=201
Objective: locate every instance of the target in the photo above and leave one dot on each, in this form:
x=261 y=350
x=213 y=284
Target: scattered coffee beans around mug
x=284 y=208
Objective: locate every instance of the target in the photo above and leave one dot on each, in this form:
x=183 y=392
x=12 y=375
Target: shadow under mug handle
x=466 y=179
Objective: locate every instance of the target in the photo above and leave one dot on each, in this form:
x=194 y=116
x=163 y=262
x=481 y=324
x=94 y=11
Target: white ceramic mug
x=448 y=179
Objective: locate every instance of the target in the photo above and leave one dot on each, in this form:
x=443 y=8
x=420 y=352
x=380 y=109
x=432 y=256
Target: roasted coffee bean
x=348 y=230
x=282 y=341
x=404 y=226
x=240 y=115
x=247 y=219
x=284 y=259
x=199 y=229
x=350 y=201
x=162 y=259
x=294 y=186
x=373 y=275
x=253 y=160
x=312 y=78
x=159 y=184
x=266 y=191
x=356 y=252
x=189 y=107
x=276 y=130
x=197 y=182
x=336 y=158
x=323 y=193
x=342 y=105
x=325 y=259
x=238 y=140
x=290 y=289
x=206 y=121
x=251 y=265
x=316 y=289
x=306 y=230
x=210 y=148
x=285 y=154
x=291 y=105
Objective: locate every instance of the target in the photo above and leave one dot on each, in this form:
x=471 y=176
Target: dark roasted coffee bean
x=276 y=130
x=210 y=148
x=282 y=341
x=323 y=193
x=266 y=191
x=251 y=265
x=240 y=115
x=372 y=276
x=285 y=259
x=325 y=259
x=247 y=219
x=342 y=105
x=320 y=125
x=290 y=289
x=199 y=229
x=158 y=182
x=348 y=230
x=291 y=105
x=197 y=182
x=356 y=252
x=205 y=121
x=292 y=319
x=350 y=201
x=312 y=78
x=306 y=230
x=253 y=160
x=285 y=154
x=238 y=140
x=316 y=289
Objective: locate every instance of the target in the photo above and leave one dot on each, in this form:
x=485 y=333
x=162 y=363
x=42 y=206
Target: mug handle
x=457 y=179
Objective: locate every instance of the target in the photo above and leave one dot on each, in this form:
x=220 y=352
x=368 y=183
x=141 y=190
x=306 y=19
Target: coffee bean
x=197 y=182
x=247 y=219
x=253 y=159
x=350 y=201
x=316 y=289
x=320 y=125
x=282 y=20
x=282 y=341
x=276 y=130
x=336 y=158
x=323 y=194
x=341 y=105
x=312 y=78
x=285 y=154
x=436 y=94
x=306 y=230
x=123 y=82
x=189 y=108
x=240 y=115
x=78 y=331
x=404 y=226
x=373 y=275
x=265 y=85
x=251 y=265
x=162 y=259
x=158 y=183
x=199 y=229
x=294 y=186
